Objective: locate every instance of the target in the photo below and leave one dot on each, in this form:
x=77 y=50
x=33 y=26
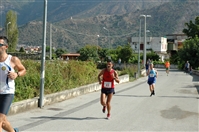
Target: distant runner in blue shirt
x=152 y=76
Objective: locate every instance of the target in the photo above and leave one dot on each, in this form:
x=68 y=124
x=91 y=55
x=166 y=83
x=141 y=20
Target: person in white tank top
x=7 y=85
x=10 y=68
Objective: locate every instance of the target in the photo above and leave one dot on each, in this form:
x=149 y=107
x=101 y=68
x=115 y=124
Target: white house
x=157 y=44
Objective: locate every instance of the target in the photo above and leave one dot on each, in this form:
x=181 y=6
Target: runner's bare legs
x=108 y=103
x=5 y=124
x=103 y=99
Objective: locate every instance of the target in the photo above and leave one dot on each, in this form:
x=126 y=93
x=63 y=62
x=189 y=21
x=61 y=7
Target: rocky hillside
x=78 y=22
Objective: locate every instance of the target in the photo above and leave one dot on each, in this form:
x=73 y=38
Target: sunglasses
x=2 y=45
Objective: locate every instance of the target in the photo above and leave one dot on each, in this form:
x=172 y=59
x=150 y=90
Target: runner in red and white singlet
x=107 y=77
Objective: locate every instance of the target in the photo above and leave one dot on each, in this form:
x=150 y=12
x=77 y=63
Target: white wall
x=158 y=44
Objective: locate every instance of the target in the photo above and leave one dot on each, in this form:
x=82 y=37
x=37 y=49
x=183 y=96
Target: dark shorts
x=5 y=102
x=167 y=68
x=107 y=90
x=151 y=82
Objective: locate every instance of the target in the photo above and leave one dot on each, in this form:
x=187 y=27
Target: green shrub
x=129 y=70
x=101 y=65
x=158 y=62
x=59 y=76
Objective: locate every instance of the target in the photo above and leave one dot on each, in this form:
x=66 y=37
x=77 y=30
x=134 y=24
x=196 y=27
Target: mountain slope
x=76 y=31
x=29 y=10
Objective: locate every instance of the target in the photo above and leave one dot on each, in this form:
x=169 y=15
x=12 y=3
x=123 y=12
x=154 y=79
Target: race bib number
x=107 y=84
x=151 y=75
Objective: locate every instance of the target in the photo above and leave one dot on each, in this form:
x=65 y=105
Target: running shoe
x=16 y=129
x=108 y=116
x=104 y=109
x=153 y=92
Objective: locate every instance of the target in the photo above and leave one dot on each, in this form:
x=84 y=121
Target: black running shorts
x=5 y=102
x=107 y=90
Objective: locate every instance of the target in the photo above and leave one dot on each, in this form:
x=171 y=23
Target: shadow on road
x=197 y=87
x=45 y=119
x=157 y=96
x=177 y=97
x=133 y=95
x=66 y=118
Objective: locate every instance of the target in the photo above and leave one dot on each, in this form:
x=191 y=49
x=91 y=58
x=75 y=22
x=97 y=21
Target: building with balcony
x=175 y=42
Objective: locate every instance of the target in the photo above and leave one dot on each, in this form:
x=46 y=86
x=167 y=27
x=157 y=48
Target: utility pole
x=41 y=99
x=144 y=50
x=50 y=41
x=139 y=49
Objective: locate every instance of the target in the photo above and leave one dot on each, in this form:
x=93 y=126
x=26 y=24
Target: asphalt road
x=173 y=108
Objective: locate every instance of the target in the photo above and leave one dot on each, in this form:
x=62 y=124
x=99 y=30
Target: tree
x=102 y=54
x=153 y=56
x=125 y=53
x=113 y=53
x=22 y=49
x=190 y=52
x=89 y=52
x=192 y=29
x=47 y=48
x=59 y=52
x=12 y=30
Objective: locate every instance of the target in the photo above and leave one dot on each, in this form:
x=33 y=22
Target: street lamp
x=97 y=42
x=50 y=41
x=139 y=41
x=144 y=50
x=149 y=32
x=108 y=36
x=7 y=28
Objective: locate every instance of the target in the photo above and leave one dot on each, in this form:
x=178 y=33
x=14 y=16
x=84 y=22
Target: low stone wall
x=143 y=72
x=195 y=72
x=57 y=97
x=162 y=66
